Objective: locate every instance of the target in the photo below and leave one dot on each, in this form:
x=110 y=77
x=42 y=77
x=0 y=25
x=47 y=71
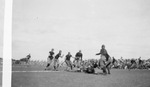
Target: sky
x=1 y=26
x=73 y=25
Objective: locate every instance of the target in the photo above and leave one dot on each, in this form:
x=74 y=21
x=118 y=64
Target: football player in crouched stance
x=68 y=61
x=49 y=59
x=78 y=59
x=56 y=60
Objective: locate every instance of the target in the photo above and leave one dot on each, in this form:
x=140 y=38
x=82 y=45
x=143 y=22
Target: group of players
x=51 y=58
x=104 y=61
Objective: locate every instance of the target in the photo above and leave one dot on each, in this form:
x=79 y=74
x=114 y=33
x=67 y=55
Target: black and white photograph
x=1 y=38
x=80 y=43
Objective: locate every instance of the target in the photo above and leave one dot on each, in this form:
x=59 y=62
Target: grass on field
x=0 y=75
x=118 y=78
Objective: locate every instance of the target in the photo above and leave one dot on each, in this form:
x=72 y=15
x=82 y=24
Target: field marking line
x=24 y=66
x=35 y=71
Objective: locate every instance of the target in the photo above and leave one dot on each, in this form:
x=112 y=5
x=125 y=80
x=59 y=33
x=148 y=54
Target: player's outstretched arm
x=98 y=53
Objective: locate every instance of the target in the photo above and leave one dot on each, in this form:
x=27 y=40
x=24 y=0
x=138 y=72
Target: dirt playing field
x=35 y=76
